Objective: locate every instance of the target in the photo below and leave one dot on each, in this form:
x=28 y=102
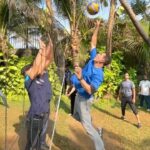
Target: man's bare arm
x=85 y=85
x=41 y=61
x=95 y=34
x=133 y=94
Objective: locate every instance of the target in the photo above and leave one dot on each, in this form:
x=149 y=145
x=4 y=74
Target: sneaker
x=148 y=110
x=139 y=107
x=139 y=125
x=70 y=114
x=123 y=118
x=100 y=131
x=44 y=147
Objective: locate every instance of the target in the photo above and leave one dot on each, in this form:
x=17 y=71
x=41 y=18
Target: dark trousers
x=36 y=131
x=72 y=101
x=124 y=102
x=145 y=98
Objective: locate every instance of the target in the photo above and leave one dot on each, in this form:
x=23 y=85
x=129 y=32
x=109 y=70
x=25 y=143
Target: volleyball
x=93 y=8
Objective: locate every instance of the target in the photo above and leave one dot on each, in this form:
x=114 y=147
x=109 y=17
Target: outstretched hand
x=97 y=23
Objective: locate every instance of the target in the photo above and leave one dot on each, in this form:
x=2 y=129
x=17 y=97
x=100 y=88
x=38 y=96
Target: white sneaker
x=148 y=110
x=100 y=131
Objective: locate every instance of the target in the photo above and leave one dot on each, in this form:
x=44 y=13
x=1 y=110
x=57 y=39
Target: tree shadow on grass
x=106 y=112
x=112 y=115
x=146 y=144
x=64 y=106
x=61 y=142
x=20 y=129
x=83 y=139
x=117 y=142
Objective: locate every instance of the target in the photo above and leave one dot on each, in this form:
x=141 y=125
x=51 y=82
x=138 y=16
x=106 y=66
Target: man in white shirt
x=144 y=91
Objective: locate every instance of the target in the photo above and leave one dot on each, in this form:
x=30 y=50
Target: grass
x=69 y=134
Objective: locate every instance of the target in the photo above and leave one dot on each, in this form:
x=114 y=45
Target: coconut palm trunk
x=74 y=35
x=137 y=25
x=50 y=12
x=110 y=27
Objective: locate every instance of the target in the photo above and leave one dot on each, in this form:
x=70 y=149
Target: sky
x=104 y=13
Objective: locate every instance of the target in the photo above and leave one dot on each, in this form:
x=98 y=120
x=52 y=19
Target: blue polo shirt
x=39 y=91
x=92 y=75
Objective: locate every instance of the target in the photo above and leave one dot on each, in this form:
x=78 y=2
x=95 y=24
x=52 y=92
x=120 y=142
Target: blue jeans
x=44 y=130
x=82 y=113
x=36 y=131
x=145 y=98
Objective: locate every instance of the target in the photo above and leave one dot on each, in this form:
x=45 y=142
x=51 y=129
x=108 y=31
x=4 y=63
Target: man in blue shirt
x=87 y=81
x=39 y=90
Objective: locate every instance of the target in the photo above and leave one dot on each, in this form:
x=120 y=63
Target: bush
x=114 y=75
x=11 y=81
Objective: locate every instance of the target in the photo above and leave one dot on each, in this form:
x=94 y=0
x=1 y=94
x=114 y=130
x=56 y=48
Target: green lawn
x=69 y=135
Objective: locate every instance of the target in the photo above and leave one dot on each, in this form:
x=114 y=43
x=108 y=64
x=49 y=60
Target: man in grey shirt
x=127 y=96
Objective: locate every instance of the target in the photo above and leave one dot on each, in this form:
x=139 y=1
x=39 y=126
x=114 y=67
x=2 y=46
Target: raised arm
x=42 y=60
x=94 y=37
x=49 y=55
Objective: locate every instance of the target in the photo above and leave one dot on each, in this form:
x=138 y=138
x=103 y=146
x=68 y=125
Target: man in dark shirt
x=39 y=90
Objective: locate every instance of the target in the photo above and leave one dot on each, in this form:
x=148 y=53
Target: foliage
x=55 y=82
x=11 y=81
x=127 y=40
x=133 y=75
x=114 y=75
x=139 y=6
x=4 y=11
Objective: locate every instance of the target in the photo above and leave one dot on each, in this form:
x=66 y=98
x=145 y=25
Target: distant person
x=87 y=81
x=127 y=96
x=68 y=74
x=144 y=92
x=71 y=93
x=39 y=91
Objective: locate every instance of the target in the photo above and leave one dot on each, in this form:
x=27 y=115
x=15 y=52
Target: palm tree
x=25 y=14
x=111 y=21
x=72 y=10
x=4 y=17
x=135 y=22
x=80 y=25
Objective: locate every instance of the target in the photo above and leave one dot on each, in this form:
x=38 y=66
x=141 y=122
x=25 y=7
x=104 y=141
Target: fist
x=78 y=72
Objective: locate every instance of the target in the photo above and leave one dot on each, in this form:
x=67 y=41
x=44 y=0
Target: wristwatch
x=80 y=78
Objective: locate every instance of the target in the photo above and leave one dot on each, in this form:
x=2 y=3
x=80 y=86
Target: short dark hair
x=25 y=68
x=107 y=60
